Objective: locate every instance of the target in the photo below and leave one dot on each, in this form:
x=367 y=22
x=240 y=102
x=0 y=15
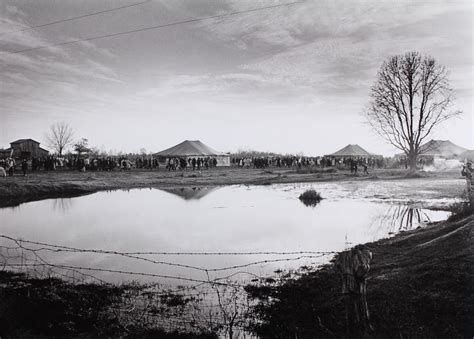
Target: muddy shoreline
x=61 y=184
x=419 y=285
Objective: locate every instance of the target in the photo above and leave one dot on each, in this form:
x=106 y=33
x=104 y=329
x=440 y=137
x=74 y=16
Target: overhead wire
x=30 y=28
x=177 y=23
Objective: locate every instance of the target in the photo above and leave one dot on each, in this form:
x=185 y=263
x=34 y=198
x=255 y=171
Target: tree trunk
x=412 y=161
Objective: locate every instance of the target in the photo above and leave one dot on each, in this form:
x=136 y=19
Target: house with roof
x=24 y=149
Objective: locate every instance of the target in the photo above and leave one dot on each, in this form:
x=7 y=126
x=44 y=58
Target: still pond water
x=222 y=219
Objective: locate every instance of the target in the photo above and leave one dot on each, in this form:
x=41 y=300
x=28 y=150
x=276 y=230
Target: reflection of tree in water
x=62 y=204
x=401 y=218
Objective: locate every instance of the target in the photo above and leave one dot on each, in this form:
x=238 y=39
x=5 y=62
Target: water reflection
x=190 y=193
x=403 y=218
x=310 y=203
x=255 y=219
x=62 y=204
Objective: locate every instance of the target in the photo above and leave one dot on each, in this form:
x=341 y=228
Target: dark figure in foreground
x=467 y=172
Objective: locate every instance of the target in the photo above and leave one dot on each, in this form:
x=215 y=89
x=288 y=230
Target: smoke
x=443 y=165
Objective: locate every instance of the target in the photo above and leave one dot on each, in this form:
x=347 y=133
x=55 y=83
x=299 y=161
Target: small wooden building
x=25 y=149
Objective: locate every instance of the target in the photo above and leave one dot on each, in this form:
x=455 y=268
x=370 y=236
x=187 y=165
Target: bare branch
x=59 y=137
x=410 y=97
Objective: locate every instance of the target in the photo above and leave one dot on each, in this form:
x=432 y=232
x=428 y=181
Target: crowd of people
x=73 y=162
x=299 y=162
x=126 y=163
x=182 y=163
x=89 y=162
x=109 y=163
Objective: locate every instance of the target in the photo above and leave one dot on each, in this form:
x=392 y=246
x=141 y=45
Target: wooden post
x=353 y=267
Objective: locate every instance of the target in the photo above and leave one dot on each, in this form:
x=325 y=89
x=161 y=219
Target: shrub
x=310 y=197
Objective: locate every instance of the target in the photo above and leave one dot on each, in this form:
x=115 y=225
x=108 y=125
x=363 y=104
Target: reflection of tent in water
x=190 y=193
x=194 y=149
x=351 y=151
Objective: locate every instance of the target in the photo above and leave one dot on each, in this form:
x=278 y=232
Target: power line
x=75 y=18
x=151 y=28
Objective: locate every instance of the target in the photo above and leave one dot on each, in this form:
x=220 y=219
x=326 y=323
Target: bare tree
x=82 y=146
x=410 y=97
x=60 y=136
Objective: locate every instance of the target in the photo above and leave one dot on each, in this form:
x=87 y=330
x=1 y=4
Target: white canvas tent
x=194 y=148
x=351 y=151
x=440 y=149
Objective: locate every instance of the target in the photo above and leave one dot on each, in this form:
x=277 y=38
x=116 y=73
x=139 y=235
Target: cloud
x=232 y=86
x=294 y=24
x=50 y=81
x=274 y=70
x=333 y=48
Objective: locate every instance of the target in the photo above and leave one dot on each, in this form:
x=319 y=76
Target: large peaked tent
x=440 y=149
x=351 y=151
x=194 y=148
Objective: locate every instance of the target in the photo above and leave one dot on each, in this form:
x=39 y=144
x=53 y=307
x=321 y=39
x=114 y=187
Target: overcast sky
x=287 y=79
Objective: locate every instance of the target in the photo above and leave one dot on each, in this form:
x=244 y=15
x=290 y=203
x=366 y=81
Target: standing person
x=24 y=167
x=364 y=165
x=467 y=172
x=11 y=166
x=2 y=169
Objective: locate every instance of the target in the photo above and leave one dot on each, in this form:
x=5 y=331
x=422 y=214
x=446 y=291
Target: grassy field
x=41 y=185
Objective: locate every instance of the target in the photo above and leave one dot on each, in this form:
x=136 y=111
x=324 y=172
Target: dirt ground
x=41 y=185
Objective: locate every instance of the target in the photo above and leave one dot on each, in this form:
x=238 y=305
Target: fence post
x=353 y=266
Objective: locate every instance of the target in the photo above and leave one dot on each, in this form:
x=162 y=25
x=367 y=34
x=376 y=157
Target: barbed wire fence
x=203 y=299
